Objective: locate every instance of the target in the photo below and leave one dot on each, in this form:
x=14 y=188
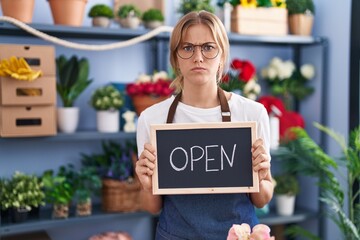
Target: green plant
x=72 y=77
x=21 y=191
x=300 y=7
x=107 y=98
x=187 y=6
x=101 y=10
x=311 y=160
x=128 y=10
x=286 y=184
x=153 y=14
x=58 y=189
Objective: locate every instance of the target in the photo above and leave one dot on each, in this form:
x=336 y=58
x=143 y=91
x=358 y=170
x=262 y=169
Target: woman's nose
x=198 y=57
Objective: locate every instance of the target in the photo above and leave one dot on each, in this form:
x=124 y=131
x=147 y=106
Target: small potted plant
x=59 y=192
x=72 y=80
x=101 y=15
x=20 y=194
x=187 y=6
x=106 y=101
x=153 y=18
x=301 y=16
x=129 y=16
x=286 y=189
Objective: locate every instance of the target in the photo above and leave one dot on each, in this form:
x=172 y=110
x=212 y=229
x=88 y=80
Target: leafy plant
x=114 y=162
x=311 y=160
x=254 y=3
x=58 y=189
x=72 y=77
x=101 y=10
x=187 y=6
x=21 y=191
x=286 y=184
x=128 y=10
x=107 y=98
x=300 y=7
x=153 y=14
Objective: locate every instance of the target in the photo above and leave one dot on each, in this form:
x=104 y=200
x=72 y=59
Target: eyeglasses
x=208 y=50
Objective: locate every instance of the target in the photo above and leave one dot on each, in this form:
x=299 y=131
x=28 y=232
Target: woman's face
x=201 y=67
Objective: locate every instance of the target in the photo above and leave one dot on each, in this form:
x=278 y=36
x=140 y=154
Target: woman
x=198 y=52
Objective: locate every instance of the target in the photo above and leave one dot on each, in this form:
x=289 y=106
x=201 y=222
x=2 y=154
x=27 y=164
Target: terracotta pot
x=68 y=12
x=301 y=24
x=21 y=10
x=144 y=101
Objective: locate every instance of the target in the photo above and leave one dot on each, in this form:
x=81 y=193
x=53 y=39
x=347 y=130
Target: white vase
x=285 y=204
x=108 y=121
x=101 y=22
x=67 y=119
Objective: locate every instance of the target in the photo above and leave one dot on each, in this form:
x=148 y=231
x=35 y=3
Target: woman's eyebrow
x=183 y=43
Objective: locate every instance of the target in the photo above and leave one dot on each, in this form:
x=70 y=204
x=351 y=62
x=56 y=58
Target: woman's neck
x=200 y=97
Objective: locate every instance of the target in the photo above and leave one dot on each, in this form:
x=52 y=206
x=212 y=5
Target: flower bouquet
x=243 y=232
x=288 y=82
x=148 y=90
x=241 y=78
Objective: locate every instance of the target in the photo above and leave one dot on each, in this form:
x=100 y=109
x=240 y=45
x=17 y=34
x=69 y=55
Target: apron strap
x=225 y=109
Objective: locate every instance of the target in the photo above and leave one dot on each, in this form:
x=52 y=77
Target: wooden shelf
x=299 y=215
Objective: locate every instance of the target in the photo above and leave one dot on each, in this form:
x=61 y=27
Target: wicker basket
x=120 y=196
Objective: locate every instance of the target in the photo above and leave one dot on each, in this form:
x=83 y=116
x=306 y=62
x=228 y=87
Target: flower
x=156 y=85
x=107 y=98
x=286 y=81
x=254 y=3
x=242 y=77
x=243 y=232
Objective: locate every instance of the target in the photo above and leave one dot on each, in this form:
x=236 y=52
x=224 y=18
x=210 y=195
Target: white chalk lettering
x=209 y=159
x=171 y=160
x=223 y=153
x=192 y=155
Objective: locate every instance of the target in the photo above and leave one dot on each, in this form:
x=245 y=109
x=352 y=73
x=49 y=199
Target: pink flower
x=243 y=232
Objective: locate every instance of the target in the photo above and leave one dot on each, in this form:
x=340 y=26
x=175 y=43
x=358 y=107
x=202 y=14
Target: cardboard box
x=41 y=91
x=27 y=121
x=39 y=57
x=259 y=21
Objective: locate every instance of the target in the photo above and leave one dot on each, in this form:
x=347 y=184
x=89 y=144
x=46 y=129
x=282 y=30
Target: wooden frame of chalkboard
x=202 y=158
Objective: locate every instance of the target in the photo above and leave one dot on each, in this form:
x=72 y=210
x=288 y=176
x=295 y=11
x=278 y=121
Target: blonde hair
x=219 y=34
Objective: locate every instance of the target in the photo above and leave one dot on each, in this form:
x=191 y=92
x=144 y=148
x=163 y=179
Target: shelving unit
x=160 y=50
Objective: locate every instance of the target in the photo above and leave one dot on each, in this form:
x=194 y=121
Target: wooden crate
x=259 y=21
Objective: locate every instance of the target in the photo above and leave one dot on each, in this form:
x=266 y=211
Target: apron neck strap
x=225 y=110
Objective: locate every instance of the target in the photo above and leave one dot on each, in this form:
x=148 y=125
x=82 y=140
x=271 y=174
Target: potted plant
x=101 y=15
x=129 y=16
x=72 y=80
x=21 y=10
x=106 y=101
x=286 y=189
x=58 y=192
x=149 y=89
x=20 y=194
x=153 y=18
x=115 y=166
x=301 y=16
x=187 y=6
x=69 y=12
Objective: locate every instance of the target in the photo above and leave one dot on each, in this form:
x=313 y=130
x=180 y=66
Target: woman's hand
x=260 y=158
x=145 y=166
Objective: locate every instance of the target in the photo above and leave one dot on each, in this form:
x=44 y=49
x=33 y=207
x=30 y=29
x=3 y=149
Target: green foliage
x=129 y=10
x=107 y=98
x=187 y=6
x=101 y=10
x=58 y=188
x=114 y=162
x=21 y=191
x=286 y=184
x=300 y=6
x=153 y=14
x=72 y=78
x=311 y=160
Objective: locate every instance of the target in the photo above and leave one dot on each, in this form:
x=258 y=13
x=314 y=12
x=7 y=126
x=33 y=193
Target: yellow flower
x=248 y=3
x=279 y=3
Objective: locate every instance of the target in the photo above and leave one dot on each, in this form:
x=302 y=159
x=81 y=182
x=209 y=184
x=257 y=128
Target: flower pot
x=60 y=211
x=84 y=208
x=285 y=204
x=68 y=12
x=68 y=119
x=142 y=102
x=21 y=10
x=101 y=22
x=153 y=24
x=108 y=121
x=18 y=214
x=301 y=24
x=130 y=22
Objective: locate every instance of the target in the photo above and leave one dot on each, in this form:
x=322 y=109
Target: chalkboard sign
x=194 y=158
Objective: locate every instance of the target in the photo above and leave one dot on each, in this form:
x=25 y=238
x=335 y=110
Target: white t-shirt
x=242 y=109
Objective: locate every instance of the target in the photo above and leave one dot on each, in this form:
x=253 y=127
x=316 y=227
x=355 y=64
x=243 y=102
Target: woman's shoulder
x=237 y=99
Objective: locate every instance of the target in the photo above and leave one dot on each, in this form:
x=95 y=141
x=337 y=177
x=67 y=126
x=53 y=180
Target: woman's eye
x=208 y=47
x=189 y=48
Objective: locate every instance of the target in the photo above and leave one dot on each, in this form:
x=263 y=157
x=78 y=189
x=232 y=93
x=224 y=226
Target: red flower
x=269 y=101
x=247 y=71
x=236 y=64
